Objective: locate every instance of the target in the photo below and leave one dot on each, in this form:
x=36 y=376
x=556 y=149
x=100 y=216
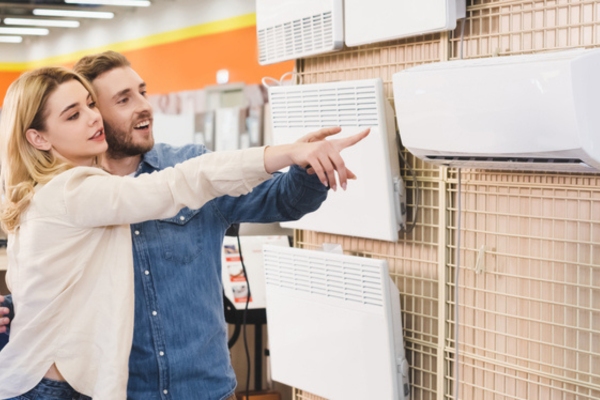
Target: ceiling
x=21 y=9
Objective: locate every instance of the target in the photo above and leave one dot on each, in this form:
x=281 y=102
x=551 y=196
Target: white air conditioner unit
x=380 y=20
x=290 y=29
x=335 y=325
x=373 y=205
x=532 y=112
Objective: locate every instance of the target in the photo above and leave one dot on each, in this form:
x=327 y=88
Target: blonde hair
x=24 y=166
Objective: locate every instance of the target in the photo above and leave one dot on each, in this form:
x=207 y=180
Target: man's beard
x=121 y=146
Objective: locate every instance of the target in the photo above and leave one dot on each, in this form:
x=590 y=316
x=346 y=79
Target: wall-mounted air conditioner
x=290 y=29
x=372 y=206
x=335 y=325
x=380 y=20
x=531 y=112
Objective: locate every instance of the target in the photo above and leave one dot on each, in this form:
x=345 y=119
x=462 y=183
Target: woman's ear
x=37 y=140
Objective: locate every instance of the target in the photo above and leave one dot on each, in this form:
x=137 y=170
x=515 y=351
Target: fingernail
x=344 y=185
x=334 y=187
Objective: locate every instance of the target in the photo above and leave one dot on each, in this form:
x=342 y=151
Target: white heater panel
x=371 y=206
x=335 y=325
x=380 y=20
x=290 y=29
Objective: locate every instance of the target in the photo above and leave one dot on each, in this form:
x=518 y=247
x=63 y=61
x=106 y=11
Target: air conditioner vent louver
x=352 y=282
x=524 y=160
x=316 y=108
x=296 y=38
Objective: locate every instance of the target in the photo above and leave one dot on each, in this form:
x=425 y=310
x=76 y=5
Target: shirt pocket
x=180 y=236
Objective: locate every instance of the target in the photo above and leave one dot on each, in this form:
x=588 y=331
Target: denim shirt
x=180 y=335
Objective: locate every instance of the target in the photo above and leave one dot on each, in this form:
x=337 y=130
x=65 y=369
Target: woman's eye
x=92 y=105
x=74 y=116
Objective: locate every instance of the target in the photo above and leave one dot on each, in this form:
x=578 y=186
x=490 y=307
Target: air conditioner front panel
x=380 y=20
x=290 y=29
x=526 y=107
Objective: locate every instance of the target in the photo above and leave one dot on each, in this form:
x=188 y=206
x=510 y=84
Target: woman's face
x=74 y=129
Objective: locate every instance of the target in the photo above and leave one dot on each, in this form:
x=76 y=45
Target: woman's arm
x=95 y=198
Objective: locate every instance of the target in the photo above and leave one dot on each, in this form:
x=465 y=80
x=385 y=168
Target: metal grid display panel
x=510 y=27
x=530 y=318
x=529 y=287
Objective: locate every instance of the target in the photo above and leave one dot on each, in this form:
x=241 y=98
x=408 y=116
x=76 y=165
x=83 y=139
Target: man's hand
x=4 y=321
x=321 y=156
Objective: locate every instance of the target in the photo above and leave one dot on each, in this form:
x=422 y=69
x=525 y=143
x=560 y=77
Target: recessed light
x=24 y=31
x=128 y=3
x=11 y=39
x=62 y=23
x=44 y=12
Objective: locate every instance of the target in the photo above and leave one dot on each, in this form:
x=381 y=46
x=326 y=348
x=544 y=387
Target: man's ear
x=37 y=140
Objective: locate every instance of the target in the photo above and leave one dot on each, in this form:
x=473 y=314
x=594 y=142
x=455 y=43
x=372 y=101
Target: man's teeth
x=143 y=124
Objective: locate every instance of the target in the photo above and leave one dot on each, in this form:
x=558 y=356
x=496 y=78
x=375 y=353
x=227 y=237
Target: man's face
x=126 y=112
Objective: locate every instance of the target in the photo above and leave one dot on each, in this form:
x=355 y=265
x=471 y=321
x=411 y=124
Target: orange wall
x=6 y=78
x=193 y=63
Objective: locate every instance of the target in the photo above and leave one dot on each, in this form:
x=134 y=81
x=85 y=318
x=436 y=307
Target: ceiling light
x=11 y=39
x=72 y=13
x=24 y=31
x=130 y=3
x=62 y=23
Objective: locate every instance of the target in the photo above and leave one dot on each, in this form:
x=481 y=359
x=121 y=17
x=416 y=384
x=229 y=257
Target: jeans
x=49 y=389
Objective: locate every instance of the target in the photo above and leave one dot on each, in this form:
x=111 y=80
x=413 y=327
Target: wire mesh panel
x=529 y=276
x=530 y=287
x=508 y=27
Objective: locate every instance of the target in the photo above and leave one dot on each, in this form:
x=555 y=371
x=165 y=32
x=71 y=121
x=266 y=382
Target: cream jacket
x=70 y=266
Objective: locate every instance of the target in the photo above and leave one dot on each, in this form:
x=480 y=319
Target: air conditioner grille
x=296 y=38
x=348 y=281
x=331 y=106
x=522 y=160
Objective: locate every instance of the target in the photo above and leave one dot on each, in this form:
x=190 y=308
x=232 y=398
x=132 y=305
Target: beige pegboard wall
x=529 y=282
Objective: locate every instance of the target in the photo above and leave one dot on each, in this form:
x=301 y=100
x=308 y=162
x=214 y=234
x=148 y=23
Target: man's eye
x=123 y=100
x=143 y=93
x=74 y=116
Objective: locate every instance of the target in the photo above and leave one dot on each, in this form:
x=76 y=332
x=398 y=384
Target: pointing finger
x=321 y=134
x=352 y=140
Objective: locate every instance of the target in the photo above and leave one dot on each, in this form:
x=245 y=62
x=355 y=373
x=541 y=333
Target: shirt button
x=182 y=218
x=161 y=353
x=154 y=313
x=147 y=272
x=165 y=391
x=137 y=232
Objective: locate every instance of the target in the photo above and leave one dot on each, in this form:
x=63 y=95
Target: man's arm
x=286 y=197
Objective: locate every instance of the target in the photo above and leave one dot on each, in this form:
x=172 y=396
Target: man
x=180 y=338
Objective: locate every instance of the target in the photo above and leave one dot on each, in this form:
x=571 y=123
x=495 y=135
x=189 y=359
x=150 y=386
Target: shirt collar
x=151 y=159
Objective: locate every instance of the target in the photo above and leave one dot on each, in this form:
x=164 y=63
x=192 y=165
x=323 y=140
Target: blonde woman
x=70 y=257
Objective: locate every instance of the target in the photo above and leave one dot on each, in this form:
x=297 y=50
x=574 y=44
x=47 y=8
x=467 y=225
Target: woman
x=70 y=259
